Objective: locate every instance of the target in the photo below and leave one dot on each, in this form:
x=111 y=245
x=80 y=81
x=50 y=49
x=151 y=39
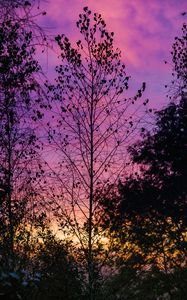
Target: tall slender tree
x=92 y=124
x=20 y=102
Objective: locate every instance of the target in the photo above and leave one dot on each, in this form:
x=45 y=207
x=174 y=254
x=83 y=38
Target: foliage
x=162 y=156
x=149 y=207
x=119 y=239
x=60 y=274
x=13 y=285
x=25 y=13
x=179 y=59
x=148 y=285
x=20 y=107
x=50 y=271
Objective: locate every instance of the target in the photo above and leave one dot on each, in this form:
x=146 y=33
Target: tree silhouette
x=20 y=107
x=25 y=13
x=60 y=273
x=91 y=126
x=153 y=201
x=163 y=153
x=179 y=59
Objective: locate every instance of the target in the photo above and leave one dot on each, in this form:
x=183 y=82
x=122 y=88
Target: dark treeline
x=92 y=198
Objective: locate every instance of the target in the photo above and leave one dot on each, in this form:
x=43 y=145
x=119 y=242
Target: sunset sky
x=144 y=31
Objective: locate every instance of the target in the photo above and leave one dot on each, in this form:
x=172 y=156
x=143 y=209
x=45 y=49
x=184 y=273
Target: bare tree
x=92 y=124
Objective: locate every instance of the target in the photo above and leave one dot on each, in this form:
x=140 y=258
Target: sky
x=144 y=31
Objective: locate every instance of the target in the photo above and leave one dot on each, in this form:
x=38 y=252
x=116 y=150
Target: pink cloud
x=144 y=31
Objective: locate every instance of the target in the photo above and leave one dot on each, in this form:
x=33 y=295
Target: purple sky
x=144 y=31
